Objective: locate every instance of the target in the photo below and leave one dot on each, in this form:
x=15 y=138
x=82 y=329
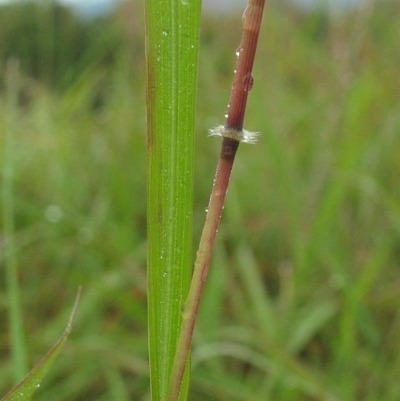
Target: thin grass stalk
x=17 y=337
x=232 y=134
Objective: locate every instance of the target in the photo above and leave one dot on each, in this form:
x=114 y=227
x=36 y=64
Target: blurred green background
x=303 y=299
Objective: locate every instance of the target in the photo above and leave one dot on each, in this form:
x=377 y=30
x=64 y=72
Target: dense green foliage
x=303 y=298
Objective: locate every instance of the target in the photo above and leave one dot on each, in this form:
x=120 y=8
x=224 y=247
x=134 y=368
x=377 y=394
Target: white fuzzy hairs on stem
x=240 y=136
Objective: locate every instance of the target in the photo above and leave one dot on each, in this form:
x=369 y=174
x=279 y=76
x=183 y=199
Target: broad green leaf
x=24 y=390
x=172 y=50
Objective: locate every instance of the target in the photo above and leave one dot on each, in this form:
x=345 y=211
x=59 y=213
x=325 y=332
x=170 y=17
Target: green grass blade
x=353 y=308
x=25 y=389
x=17 y=337
x=172 y=50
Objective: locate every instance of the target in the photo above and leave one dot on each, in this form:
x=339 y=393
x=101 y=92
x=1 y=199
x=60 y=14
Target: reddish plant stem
x=202 y=264
x=241 y=85
x=243 y=81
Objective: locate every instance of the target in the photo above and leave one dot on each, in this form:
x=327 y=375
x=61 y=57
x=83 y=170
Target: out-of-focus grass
x=16 y=331
x=302 y=301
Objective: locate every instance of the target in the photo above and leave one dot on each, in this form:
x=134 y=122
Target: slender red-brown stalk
x=232 y=134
